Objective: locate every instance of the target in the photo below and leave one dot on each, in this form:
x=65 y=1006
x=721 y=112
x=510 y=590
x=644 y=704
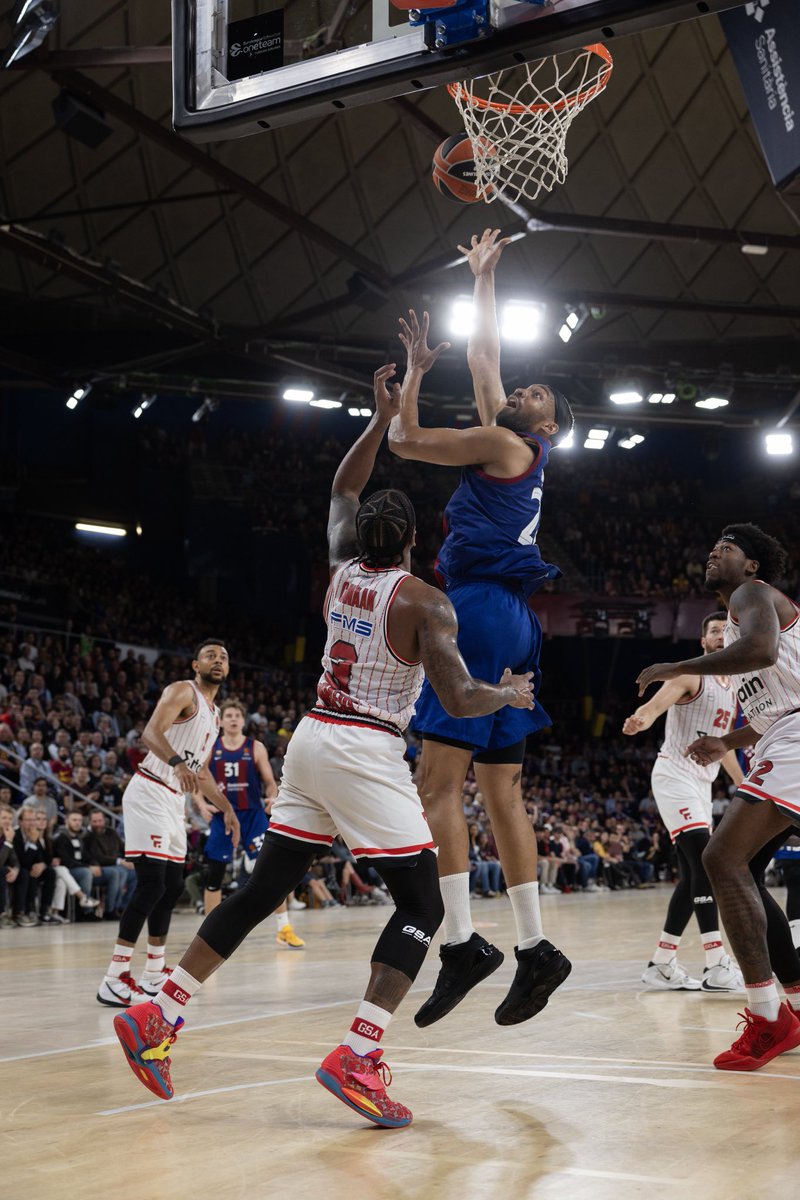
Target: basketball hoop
x=518 y=136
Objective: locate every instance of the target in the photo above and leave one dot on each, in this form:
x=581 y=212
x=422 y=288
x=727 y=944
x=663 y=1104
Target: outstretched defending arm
x=355 y=469
x=667 y=695
x=483 y=350
x=497 y=450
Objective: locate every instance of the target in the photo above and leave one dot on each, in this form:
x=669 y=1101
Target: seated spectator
x=588 y=861
x=549 y=862
x=108 y=794
x=37 y=879
x=74 y=874
x=9 y=864
x=61 y=765
x=105 y=856
x=34 y=767
x=488 y=866
x=42 y=801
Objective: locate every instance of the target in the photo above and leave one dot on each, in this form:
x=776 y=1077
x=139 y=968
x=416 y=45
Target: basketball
x=454 y=169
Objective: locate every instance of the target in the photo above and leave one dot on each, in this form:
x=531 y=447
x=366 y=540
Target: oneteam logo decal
x=756 y=9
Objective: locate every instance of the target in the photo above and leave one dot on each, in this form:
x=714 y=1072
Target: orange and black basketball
x=454 y=169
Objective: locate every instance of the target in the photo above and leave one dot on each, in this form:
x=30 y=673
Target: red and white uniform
x=344 y=770
x=682 y=787
x=153 y=805
x=770 y=700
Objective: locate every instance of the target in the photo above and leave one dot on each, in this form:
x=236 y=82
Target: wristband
x=175 y=761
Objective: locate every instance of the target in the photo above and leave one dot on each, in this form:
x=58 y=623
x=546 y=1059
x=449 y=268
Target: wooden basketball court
x=609 y=1092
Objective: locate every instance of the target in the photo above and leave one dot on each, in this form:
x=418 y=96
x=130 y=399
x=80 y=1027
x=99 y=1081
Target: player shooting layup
x=345 y=771
x=490 y=565
x=682 y=791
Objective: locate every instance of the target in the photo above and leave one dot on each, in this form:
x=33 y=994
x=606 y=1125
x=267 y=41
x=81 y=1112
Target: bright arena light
x=661 y=398
x=632 y=440
x=366 y=412
x=325 y=403
x=80 y=393
x=298 y=395
x=354 y=412
x=108 y=530
x=629 y=397
x=521 y=321
x=462 y=317
x=779 y=443
x=568 y=442
x=712 y=402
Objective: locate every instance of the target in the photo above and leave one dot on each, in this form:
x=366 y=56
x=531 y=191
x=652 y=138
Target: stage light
x=712 y=402
x=628 y=397
x=79 y=393
x=298 y=395
x=107 y=530
x=325 y=403
x=521 y=321
x=462 y=317
x=779 y=444
x=661 y=398
x=354 y=412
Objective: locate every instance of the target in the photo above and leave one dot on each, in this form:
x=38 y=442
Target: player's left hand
x=656 y=674
x=387 y=395
x=706 y=750
x=232 y=826
x=414 y=337
x=483 y=253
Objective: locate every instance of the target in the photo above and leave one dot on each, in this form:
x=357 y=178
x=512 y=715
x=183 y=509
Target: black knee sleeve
x=506 y=754
x=213 y=874
x=419 y=912
x=680 y=904
x=281 y=864
x=160 y=917
x=151 y=883
x=693 y=844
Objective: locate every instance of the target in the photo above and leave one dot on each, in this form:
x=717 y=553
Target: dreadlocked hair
x=385 y=524
x=767 y=551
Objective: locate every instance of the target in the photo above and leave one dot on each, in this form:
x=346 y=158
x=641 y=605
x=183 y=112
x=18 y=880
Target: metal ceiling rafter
x=114 y=106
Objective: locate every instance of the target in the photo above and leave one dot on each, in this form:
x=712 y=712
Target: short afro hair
x=385 y=525
x=766 y=551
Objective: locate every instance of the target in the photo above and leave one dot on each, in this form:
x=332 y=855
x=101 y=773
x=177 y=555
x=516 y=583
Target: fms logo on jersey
x=352 y=624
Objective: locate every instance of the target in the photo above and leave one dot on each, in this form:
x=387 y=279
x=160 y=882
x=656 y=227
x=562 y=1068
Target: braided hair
x=385 y=525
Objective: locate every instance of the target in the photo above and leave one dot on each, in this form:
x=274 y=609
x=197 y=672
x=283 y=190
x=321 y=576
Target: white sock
x=795 y=928
x=176 y=994
x=714 y=949
x=365 y=1033
x=667 y=947
x=155 y=960
x=525 y=903
x=793 y=998
x=457 y=926
x=282 y=920
x=763 y=1000
x=121 y=961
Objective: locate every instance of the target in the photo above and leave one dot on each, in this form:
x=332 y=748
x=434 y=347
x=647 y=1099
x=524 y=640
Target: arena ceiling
x=152 y=265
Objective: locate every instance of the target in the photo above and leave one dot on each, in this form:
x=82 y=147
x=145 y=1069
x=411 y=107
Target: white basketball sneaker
x=151 y=984
x=119 y=993
x=724 y=977
x=669 y=977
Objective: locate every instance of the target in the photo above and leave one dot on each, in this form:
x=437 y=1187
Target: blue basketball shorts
x=219 y=846
x=496 y=629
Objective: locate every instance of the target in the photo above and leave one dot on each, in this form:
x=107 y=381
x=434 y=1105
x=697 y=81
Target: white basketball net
x=518 y=135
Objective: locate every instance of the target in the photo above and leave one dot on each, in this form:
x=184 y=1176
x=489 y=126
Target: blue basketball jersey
x=491 y=526
x=236 y=772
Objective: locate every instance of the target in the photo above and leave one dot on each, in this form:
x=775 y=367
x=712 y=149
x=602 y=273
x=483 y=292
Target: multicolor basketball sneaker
x=360 y=1082
x=147 y=1037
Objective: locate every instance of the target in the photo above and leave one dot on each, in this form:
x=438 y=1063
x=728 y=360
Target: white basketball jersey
x=711 y=712
x=362 y=675
x=192 y=738
x=770 y=693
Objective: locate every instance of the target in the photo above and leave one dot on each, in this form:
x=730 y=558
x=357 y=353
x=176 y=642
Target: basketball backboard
x=240 y=67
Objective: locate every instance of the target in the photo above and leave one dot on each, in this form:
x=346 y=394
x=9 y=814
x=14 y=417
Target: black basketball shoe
x=463 y=966
x=540 y=971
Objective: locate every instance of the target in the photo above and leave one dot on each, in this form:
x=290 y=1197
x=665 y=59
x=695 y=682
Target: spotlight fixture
x=95 y=527
x=354 y=412
x=596 y=439
x=366 y=412
x=754 y=248
x=462 y=317
x=779 y=444
x=143 y=404
x=630 y=440
x=712 y=402
x=210 y=404
x=661 y=398
x=298 y=395
x=325 y=403
x=33 y=22
x=625 y=397
x=521 y=320
x=78 y=394
x=572 y=322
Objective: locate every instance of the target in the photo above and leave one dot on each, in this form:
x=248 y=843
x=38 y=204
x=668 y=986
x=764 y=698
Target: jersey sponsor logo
x=156 y=839
x=356 y=596
x=417 y=934
x=685 y=813
x=750 y=687
x=352 y=624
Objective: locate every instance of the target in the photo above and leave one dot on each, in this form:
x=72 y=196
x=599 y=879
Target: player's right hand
x=483 y=254
x=188 y=782
x=523 y=688
x=706 y=750
x=634 y=724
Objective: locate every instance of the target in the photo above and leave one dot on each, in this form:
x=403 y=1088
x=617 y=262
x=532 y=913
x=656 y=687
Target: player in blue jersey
x=239 y=765
x=489 y=565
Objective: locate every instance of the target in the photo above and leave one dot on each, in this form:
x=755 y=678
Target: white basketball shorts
x=683 y=800
x=348 y=779
x=155 y=821
x=775 y=769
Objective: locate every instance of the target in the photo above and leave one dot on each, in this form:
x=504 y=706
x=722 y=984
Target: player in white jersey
x=345 y=772
x=762 y=656
x=682 y=791
x=180 y=736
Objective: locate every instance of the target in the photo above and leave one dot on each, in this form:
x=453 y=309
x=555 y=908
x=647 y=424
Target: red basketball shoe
x=360 y=1082
x=146 y=1037
x=761 y=1041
